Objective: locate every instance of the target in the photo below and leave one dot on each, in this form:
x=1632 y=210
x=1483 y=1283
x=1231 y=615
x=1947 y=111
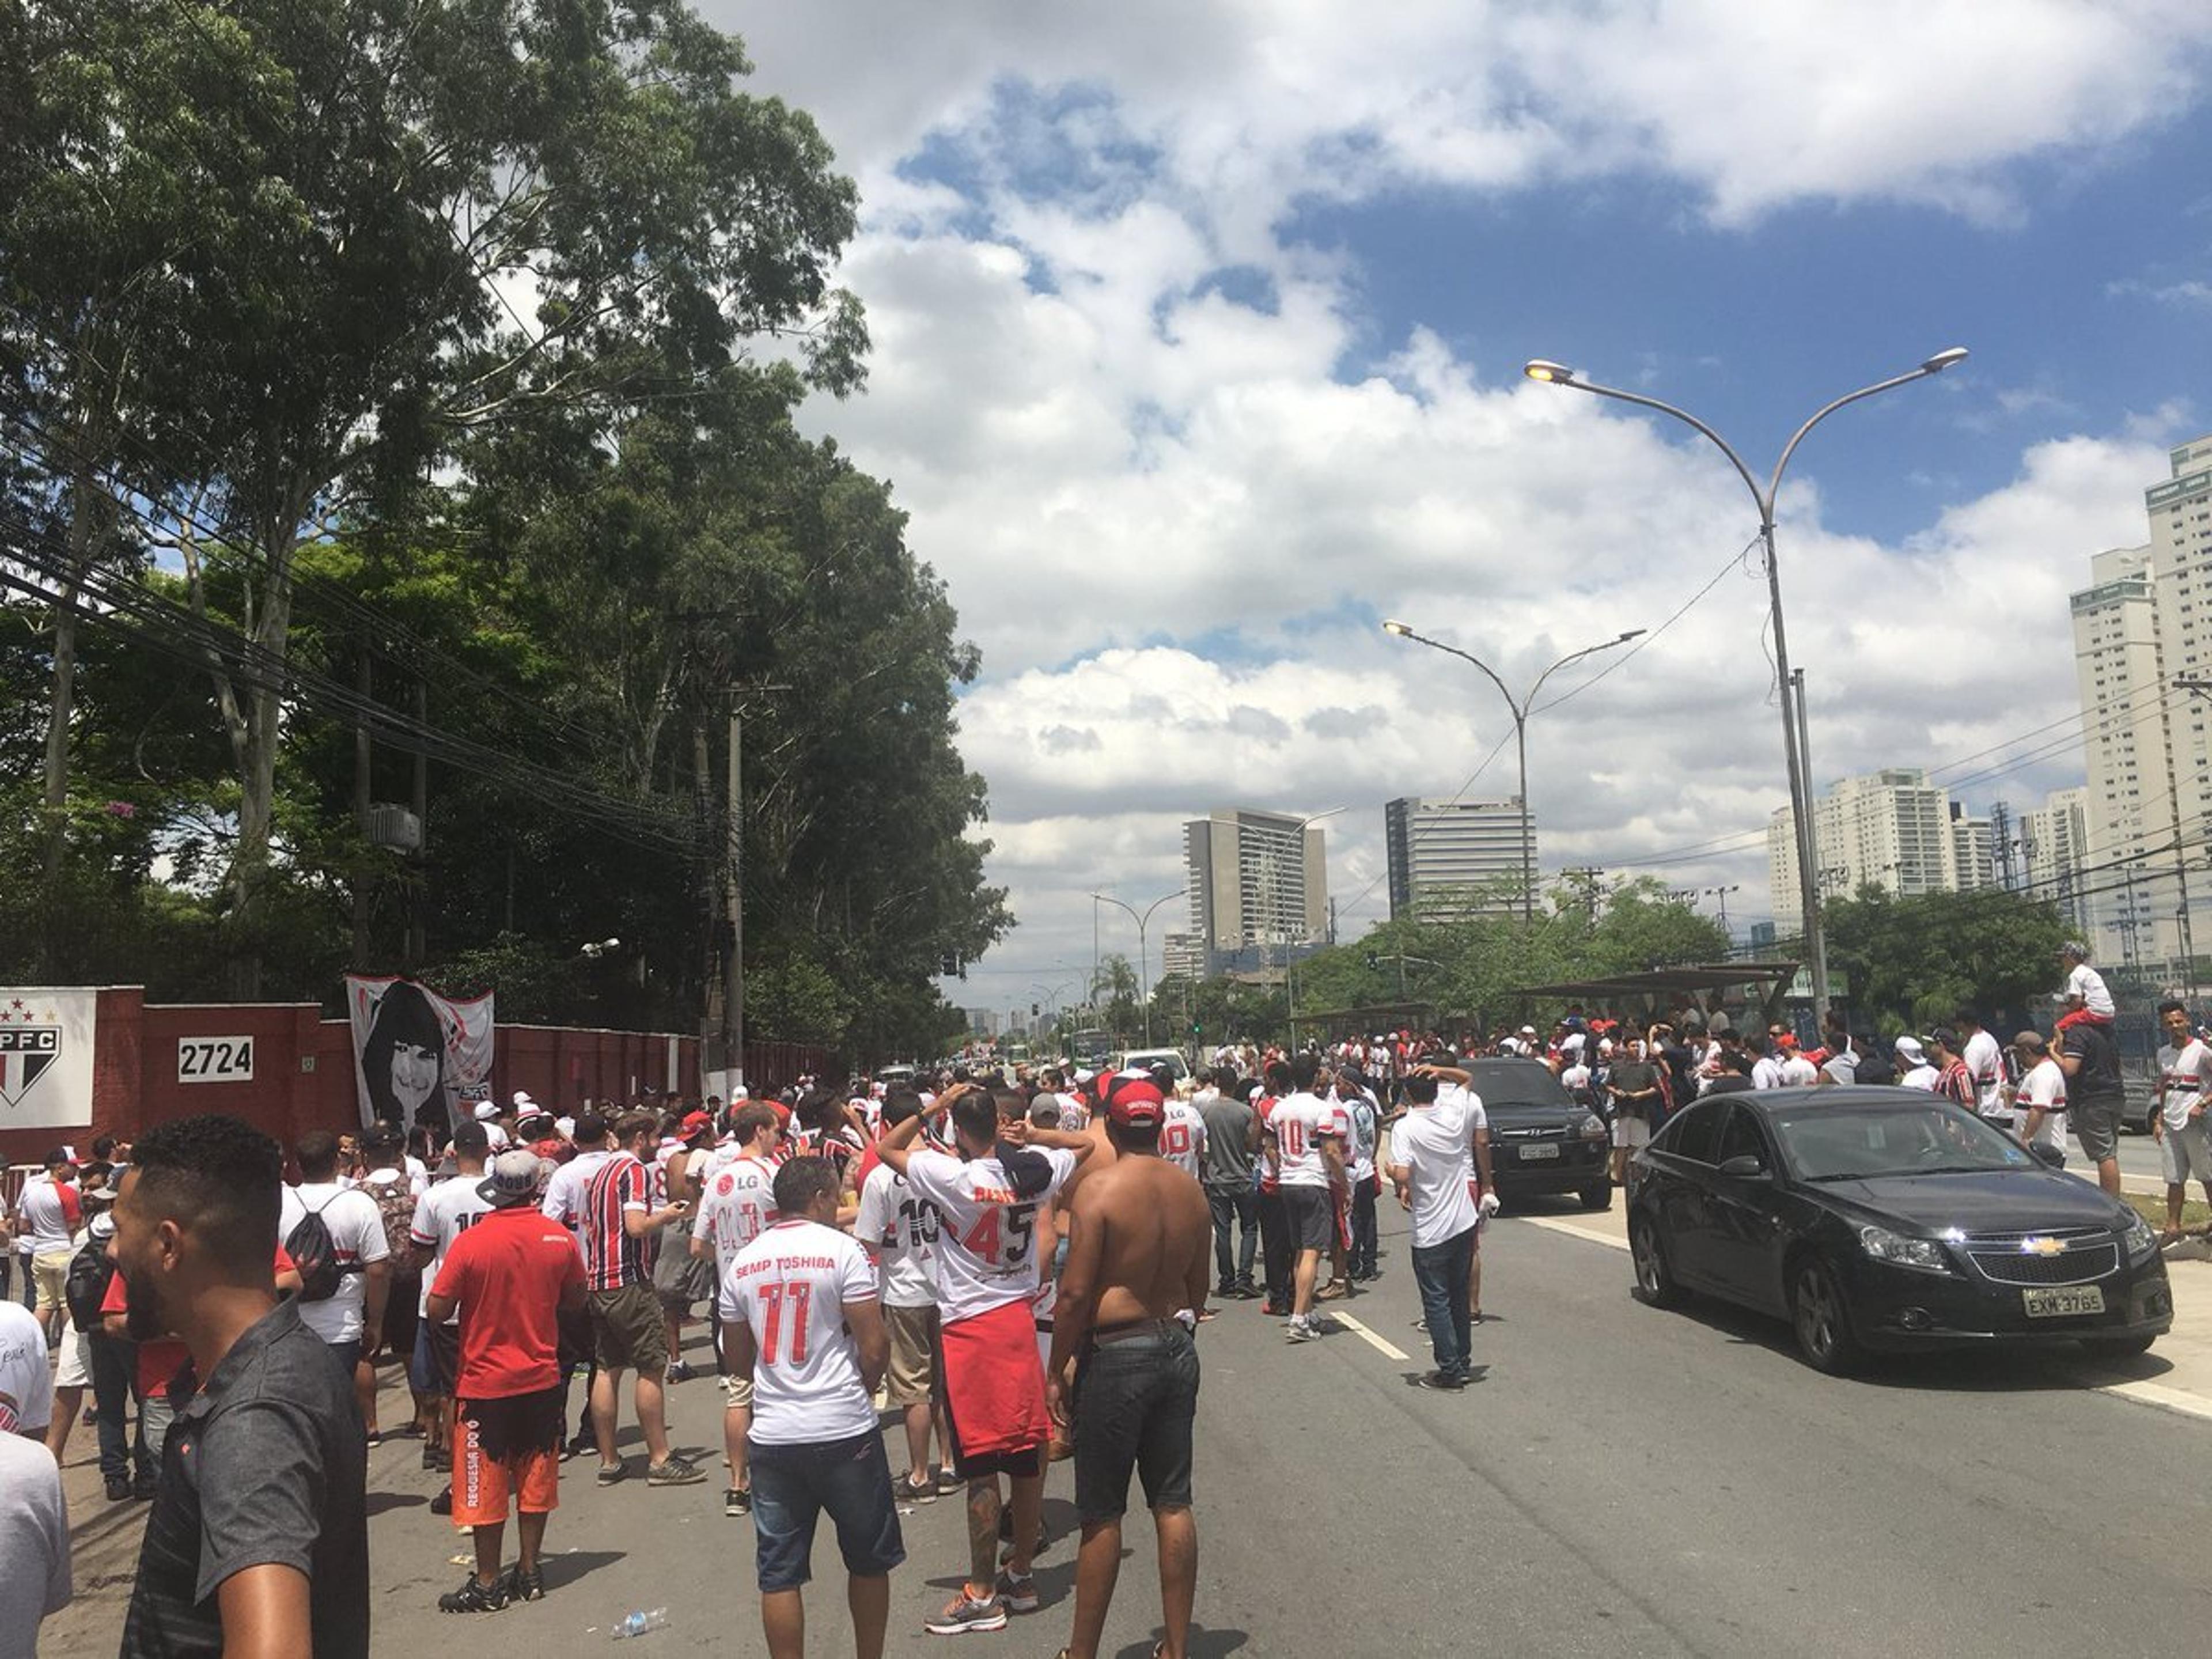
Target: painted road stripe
x=2154 y=1394
x=1388 y=1351
x=1551 y=1224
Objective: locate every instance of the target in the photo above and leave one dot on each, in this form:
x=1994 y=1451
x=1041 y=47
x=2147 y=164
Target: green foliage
x=1914 y=961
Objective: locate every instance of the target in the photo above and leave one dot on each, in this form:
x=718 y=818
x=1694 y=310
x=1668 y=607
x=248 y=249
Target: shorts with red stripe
x=994 y=1384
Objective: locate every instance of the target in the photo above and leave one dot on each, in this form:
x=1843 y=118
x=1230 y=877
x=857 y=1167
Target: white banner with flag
x=46 y=1056
x=412 y=1047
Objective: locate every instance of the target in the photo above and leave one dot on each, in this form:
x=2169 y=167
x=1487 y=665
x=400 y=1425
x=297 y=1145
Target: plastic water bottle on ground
x=636 y=1624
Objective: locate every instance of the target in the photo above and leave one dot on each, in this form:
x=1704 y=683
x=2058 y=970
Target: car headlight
x=1593 y=1127
x=2143 y=1244
x=1922 y=1255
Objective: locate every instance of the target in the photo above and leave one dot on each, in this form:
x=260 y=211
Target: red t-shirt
x=507 y=1273
x=162 y=1358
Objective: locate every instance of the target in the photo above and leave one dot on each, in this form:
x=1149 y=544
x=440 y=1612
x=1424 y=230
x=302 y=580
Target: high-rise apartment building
x=1973 y=850
x=1183 y=956
x=1438 y=849
x=2139 y=625
x=1256 y=879
x=1890 y=830
x=2054 y=842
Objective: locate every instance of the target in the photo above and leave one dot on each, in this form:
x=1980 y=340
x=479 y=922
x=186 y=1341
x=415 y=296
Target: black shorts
x=516 y=1424
x=1310 y=1215
x=1136 y=1400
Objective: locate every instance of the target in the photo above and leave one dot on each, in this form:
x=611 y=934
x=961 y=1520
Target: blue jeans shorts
x=792 y=1487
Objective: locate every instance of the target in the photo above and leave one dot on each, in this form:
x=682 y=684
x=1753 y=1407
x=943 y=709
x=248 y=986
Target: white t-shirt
x=1985 y=1060
x=1766 y=1073
x=986 y=1254
x=1576 y=1080
x=1183 y=1136
x=1360 y=1120
x=34 y=1520
x=356 y=1230
x=790 y=1286
x=45 y=1223
x=1799 y=1072
x=441 y=1215
x=25 y=1375
x=2187 y=1074
x=564 y=1190
x=2044 y=1086
x=1074 y=1115
x=1922 y=1076
x=1436 y=1145
x=901 y=1229
x=1298 y=1124
x=2087 y=983
x=736 y=1204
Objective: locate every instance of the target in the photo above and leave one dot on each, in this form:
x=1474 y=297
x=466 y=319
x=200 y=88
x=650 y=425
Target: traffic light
x=948 y=966
x=1373 y=961
x=1197 y=1029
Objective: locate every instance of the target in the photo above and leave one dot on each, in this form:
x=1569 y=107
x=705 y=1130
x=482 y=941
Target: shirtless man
x=1139 y=1232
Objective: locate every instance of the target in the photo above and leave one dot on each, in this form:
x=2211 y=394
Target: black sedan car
x=1541 y=1138
x=1876 y=1218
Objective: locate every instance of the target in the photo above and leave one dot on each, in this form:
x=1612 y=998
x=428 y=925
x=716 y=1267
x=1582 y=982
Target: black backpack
x=314 y=1253
x=86 y=1286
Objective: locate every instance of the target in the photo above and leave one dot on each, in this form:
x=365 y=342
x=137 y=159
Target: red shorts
x=507 y=1448
x=994 y=1392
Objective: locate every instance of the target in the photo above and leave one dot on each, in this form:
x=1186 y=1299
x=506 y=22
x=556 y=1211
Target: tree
x=1915 y=960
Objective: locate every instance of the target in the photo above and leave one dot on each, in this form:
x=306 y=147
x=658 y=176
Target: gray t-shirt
x=34 y=1543
x=1227 y=1157
x=267 y=1464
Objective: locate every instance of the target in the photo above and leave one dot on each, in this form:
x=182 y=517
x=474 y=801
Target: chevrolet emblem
x=2043 y=1247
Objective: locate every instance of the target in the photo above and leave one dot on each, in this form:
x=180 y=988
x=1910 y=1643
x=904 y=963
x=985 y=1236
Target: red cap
x=696 y=1123
x=1788 y=1042
x=1134 y=1102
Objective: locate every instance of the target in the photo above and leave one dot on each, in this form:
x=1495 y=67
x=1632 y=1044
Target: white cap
x=1527 y=1030
x=519 y=1099
x=487 y=1110
x=1910 y=1048
x=741 y=1093
x=1082 y=1076
x=566 y=1126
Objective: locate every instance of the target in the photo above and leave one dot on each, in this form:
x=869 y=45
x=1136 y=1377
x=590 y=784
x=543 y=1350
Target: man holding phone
x=622 y=1237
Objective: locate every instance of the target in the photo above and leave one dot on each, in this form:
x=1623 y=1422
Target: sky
x=1198 y=336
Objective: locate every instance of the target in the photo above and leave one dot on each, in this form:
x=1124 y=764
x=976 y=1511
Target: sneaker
x=431 y=1456
x=948 y=1485
x=526 y=1586
x=1020 y=1595
x=146 y=1487
x=118 y=1490
x=673 y=1472
x=1299 y=1330
x=1420 y=1324
x=963 y=1614
x=443 y=1503
x=1449 y=1382
x=737 y=1501
x=912 y=1489
x=610 y=1473
x=680 y=1372
x=1006 y=1546
x=475 y=1596
x=1332 y=1291
x=1246 y=1290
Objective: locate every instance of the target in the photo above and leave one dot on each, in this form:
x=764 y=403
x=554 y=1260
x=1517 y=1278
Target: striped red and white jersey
x=612 y=1258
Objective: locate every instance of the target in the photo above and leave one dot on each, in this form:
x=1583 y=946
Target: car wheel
x=2116 y=1348
x=1599 y=1197
x=1655 y=1281
x=1822 y=1320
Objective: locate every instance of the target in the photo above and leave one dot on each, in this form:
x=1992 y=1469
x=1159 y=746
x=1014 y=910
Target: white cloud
x=1115 y=402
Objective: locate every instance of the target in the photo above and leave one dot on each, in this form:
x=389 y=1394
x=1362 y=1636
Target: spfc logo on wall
x=30 y=1043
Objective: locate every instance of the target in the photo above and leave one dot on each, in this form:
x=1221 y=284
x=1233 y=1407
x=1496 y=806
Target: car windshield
x=1516 y=1082
x=1912 y=1137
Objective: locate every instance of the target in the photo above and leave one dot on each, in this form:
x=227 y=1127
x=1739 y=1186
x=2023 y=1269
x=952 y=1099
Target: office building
x=1441 y=851
x=1183 y=956
x=1257 y=879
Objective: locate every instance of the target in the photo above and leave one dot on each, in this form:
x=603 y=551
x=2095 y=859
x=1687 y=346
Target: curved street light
x=1801 y=798
x=1520 y=711
x=1143 y=964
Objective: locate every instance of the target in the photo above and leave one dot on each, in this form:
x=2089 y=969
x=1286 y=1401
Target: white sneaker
x=1299 y=1330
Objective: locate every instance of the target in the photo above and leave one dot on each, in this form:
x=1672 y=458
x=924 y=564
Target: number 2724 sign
x=215 y=1060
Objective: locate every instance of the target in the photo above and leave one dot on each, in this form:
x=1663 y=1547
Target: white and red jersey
x=790 y=1287
x=1183 y=1137
x=900 y=1231
x=1300 y=1122
x=986 y=1254
x=612 y=1258
x=736 y=1205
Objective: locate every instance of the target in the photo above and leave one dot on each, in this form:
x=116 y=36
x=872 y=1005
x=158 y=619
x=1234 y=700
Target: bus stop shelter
x=1708 y=987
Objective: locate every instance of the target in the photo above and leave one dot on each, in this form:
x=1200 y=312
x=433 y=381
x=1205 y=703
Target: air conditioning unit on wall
x=392 y=825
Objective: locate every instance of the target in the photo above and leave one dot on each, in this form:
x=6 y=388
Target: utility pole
x=418 y=900
x=733 y=838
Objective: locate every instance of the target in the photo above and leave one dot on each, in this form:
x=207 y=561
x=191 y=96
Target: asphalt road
x=1620 y=1480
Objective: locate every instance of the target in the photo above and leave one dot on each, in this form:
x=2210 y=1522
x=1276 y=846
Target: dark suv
x=1542 y=1140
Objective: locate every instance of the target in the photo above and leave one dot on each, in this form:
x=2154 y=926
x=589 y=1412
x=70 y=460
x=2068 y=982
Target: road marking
x=1389 y=1351
x=1553 y=1224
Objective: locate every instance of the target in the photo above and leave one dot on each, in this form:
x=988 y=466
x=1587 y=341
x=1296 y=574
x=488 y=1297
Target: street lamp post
x=1143 y=963
x=1521 y=710
x=1801 y=795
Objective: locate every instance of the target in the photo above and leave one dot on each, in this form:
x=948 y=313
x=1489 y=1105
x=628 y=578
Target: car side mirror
x=1744 y=1166
x=2047 y=1155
